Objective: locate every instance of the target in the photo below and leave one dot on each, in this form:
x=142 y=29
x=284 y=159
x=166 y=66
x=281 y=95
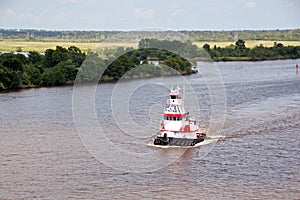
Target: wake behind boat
x=177 y=127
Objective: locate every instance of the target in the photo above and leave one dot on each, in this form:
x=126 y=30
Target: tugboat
x=177 y=127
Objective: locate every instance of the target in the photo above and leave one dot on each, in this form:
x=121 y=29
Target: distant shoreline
x=238 y=59
x=71 y=84
x=61 y=66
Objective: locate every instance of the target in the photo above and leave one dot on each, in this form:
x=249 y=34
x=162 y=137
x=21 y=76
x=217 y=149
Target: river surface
x=256 y=154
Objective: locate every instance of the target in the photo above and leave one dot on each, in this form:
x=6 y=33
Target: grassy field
x=41 y=46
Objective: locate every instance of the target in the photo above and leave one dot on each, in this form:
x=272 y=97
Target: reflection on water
x=256 y=156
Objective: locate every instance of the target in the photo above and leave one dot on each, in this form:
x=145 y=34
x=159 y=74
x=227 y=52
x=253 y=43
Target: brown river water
x=256 y=154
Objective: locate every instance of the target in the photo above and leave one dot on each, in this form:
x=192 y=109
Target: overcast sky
x=139 y=14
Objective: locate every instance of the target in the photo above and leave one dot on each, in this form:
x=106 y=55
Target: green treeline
x=56 y=67
x=185 y=49
x=132 y=63
x=129 y=60
x=96 y=36
x=228 y=36
x=239 y=52
x=61 y=66
x=234 y=52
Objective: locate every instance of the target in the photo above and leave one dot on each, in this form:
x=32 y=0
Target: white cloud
x=8 y=11
x=250 y=5
x=177 y=12
x=143 y=13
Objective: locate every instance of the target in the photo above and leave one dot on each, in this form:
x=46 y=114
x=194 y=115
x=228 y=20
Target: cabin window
x=173 y=97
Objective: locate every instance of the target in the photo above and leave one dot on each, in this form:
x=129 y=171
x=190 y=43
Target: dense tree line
x=211 y=36
x=56 y=67
x=32 y=34
x=239 y=51
x=123 y=62
x=61 y=66
x=228 y=36
x=235 y=52
x=185 y=49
